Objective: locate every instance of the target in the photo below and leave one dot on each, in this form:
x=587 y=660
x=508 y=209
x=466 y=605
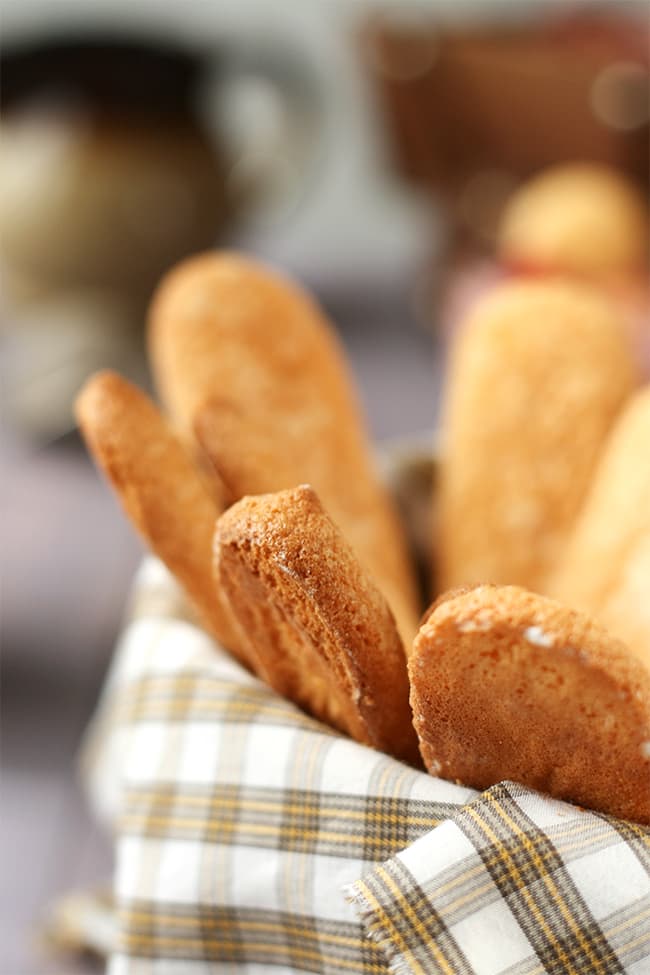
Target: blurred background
x=368 y=148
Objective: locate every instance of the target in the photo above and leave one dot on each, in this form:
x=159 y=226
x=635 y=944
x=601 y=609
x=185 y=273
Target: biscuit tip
x=96 y=384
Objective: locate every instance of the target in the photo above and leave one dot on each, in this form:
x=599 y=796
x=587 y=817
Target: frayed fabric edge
x=374 y=929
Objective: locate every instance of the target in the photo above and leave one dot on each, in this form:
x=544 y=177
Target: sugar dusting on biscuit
x=538 y=637
x=482 y=622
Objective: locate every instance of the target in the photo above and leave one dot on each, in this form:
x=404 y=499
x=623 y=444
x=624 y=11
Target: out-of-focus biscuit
x=577 y=218
x=536 y=379
x=605 y=569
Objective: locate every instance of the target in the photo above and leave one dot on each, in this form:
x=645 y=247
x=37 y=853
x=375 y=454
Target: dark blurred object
x=108 y=175
x=473 y=112
x=118 y=74
x=115 y=166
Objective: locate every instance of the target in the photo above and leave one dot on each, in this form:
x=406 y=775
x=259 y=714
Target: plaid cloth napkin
x=251 y=838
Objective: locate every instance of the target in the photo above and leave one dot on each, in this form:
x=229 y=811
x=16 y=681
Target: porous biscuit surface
x=321 y=631
x=506 y=684
x=172 y=505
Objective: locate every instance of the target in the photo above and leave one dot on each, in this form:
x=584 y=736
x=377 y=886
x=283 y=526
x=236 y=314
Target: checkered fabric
x=250 y=838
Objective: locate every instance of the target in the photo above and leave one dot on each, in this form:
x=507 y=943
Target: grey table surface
x=67 y=558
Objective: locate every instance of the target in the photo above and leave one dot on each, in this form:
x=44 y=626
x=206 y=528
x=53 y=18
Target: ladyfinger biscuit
x=252 y=455
x=321 y=633
x=580 y=218
x=224 y=327
x=506 y=684
x=536 y=379
x=605 y=569
x=167 y=498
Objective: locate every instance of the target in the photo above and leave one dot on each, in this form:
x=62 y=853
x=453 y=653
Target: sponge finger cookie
x=321 y=633
x=286 y=412
x=588 y=221
x=536 y=379
x=165 y=495
x=506 y=684
x=577 y=218
x=606 y=567
x=253 y=454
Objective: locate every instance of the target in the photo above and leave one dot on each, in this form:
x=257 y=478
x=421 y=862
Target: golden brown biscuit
x=257 y=455
x=535 y=381
x=321 y=632
x=605 y=569
x=580 y=218
x=165 y=495
x=506 y=684
x=283 y=411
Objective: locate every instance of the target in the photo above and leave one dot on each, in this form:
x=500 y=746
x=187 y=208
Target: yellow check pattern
x=251 y=839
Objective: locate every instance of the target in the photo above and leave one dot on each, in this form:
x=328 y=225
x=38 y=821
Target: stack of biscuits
x=254 y=482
